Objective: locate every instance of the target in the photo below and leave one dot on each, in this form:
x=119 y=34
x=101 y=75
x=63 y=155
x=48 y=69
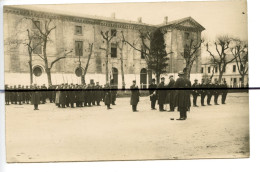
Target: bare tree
x=222 y=47
x=83 y=74
x=120 y=45
x=190 y=54
x=107 y=39
x=240 y=53
x=156 y=63
x=44 y=35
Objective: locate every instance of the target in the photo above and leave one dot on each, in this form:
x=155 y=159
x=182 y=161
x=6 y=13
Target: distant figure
x=134 y=96
x=171 y=94
x=152 y=93
x=183 y=96
x=203 y=92
x=114 y=88
x=195 y=92
x=216 y=92
x=224 y=92
x=209 y=92
x=35 y=99
x=107 y=98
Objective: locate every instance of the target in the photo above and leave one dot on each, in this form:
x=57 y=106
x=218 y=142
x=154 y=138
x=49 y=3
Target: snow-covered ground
x=94 y=133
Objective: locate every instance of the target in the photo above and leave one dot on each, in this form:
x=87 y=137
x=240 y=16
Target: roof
x=100 y=18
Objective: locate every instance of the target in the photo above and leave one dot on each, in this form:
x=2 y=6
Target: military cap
x=181 y=73
x=134 y=81
x=162 y=78
x=171 y=76
x=153 y=79
x=195 y=80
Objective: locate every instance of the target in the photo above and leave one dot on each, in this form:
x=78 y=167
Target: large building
x=231 y=74
x=76 y=32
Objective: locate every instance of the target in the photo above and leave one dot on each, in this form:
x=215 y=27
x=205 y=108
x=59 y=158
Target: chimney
x=139 y=19
x=165 y=20
x=113 y=15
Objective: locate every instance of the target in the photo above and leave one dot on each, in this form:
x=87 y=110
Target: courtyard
x=96 y=134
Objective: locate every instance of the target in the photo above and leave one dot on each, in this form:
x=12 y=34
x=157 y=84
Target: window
x=36 y=24
x=216 y=69
x=186 y=35
x=79 y=48
x=37 y=47
x=202 y=70
x=113 y=50
x=113 y=32
x=78 y=30
x=234 y=68
x=142 y=53
x=235 y=80
x=208 y=69
x=37 y=71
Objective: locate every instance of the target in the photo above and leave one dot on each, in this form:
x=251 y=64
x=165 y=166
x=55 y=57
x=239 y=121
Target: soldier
x=224 y=92
x=113 y=91
x=57 y=97
x=203 y=92
x=152 y=92
x=63 y=96
x=161 y=95
x=35 y=99
x=98 y=94
x=43 y=93
x=171 y=93
x=93 y=93
x=209 y=92
x=71 y=96
x=14 y=95
x=19 y=95
x=27 y=94
x=183 y=96
x=195 y=92
x=22 y=94
x=50 y=93
x=134 y=96
x=216 y=92
x=107 y=98
x=7 y=95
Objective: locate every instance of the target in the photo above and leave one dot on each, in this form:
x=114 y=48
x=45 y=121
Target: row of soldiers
x=64 y=95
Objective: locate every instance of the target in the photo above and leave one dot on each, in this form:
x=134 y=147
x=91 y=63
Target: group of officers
x=176 y=94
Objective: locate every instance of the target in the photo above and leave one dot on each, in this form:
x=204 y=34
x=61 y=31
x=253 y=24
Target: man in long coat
x=113 y=91
x=7 y=95
x=161 y=94
x=224 y=92
x=35 y=99
x=98 y=93
x=203 y=92
x=107 y=94
x=152 y=93
x=171 y=93
x=183 y=95
x=134 y=96
x=195 y=92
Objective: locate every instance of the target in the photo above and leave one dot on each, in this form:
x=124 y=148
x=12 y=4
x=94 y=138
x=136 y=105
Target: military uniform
x=224 y=92
x=195 y=93
x=107 y=98
x=171 y=95
x=152 y=93
x=134 y=97
x=203 y=93
x=183 y=96
x=216 y=93
x=35 y=99
x=162 y=93
x=209 y=87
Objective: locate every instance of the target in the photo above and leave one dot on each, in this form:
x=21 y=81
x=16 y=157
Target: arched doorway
x=115 y=76
x=143 y=78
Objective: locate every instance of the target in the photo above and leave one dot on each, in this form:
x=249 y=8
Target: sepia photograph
x=126 y=81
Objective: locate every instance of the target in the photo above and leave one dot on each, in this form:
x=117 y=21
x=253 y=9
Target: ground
x=94 y=133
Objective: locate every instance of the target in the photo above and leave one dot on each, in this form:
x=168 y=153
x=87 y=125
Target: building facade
x=76 y=33
x=231 y=74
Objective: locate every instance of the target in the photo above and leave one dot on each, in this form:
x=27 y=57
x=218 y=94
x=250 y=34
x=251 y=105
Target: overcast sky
x=218 y=17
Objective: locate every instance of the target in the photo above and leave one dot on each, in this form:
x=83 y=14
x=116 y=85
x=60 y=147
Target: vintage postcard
x=126 y=81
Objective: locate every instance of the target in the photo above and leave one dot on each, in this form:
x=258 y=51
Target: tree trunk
x=107 y=53
x=157 y=78
x=188 y=70
x=30 y=67
x=220 y=76
x=83 y=81
x=243 y=81
x=122 y=70
x=48 y=72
